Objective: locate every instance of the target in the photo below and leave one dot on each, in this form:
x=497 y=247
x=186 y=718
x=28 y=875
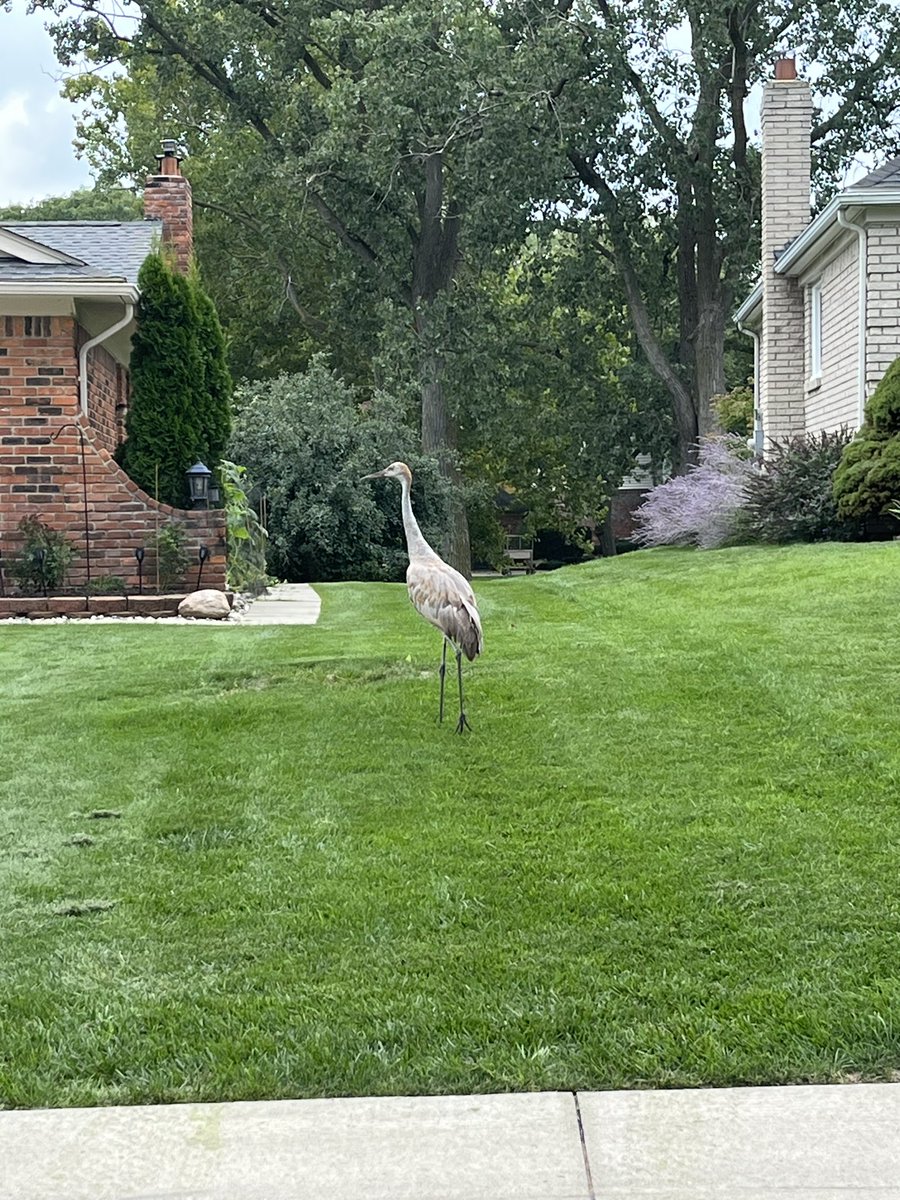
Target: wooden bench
x=519 y=552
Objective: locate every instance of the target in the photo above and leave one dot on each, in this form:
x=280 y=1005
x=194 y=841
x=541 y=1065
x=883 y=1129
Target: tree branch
x=683 y=404
x=861 y=85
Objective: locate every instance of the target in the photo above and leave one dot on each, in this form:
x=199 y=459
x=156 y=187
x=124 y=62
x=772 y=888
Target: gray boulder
x=208 y=602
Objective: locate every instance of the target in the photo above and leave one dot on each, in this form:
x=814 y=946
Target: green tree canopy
x=306 y=440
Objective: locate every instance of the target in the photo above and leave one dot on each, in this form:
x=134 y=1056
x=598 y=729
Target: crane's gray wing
x=444 y=598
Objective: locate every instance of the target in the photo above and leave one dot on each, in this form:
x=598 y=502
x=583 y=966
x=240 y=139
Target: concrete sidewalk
x=806 y=1143
x=283 y=604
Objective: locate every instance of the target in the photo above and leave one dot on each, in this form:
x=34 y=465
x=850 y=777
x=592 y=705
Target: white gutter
x=862 y=244
x=861 y=198
x=88 y=346
x=753 y=301
x=758 y=431
x=69 y=287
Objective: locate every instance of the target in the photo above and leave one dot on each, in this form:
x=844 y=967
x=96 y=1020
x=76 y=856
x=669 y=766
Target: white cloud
x=37 y=158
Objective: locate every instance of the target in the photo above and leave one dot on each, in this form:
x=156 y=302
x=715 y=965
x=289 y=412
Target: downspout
x=89 y=345
x=758 y=432
x=862 y=243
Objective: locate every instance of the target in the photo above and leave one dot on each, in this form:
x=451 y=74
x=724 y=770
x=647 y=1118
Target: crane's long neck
x=415 y=540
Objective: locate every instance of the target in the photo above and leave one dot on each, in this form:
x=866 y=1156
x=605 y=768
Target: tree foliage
x=648 y=102
x=384 y=128
x=867 y=480
x=180 y=389
x=85 y=204
x=306 y=440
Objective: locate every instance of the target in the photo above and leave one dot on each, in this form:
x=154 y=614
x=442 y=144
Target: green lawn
x=669 y=854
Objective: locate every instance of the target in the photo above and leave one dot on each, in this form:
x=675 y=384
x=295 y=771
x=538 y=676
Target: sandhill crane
x=440 y=593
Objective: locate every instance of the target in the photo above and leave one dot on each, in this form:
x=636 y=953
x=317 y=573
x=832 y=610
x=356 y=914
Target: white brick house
x=825 y=316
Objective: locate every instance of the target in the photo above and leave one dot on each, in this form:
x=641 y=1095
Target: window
x=815 y=330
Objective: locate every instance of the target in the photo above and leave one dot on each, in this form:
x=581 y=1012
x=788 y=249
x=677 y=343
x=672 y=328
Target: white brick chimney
x=786 y=128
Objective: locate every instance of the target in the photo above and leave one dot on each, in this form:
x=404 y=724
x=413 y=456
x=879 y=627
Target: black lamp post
x=202 y=556
x=41 y=555
x=139 y=555
x=198 y=478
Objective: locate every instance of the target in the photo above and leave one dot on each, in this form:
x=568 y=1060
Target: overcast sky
x=37 y=158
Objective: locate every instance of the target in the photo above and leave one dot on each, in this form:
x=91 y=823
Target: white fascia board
x=88 y=290
x=27 y=250
x=789 y=261
x=749 y=306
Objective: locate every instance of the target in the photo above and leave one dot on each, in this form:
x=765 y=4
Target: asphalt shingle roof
x=109 y=250
x=886 y=176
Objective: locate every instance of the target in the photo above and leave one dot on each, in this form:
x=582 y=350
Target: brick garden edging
x=41 y=607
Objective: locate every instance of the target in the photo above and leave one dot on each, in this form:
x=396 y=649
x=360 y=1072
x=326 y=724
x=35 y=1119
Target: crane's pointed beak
x=377 y=475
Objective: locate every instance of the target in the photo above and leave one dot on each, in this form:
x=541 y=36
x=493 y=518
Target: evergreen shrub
x=868 y=477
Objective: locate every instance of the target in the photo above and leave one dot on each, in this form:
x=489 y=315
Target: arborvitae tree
x=180 y=388
x=868 y=477
x=213 y=393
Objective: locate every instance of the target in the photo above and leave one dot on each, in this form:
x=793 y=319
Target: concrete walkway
x=802 y=1143
x=283 y=604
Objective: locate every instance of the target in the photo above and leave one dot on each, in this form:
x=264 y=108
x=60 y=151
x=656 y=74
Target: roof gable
x=78 y=250
x=22 y=249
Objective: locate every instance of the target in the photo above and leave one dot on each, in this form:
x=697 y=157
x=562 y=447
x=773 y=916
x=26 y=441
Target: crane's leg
x=463 y=722
x=443 y=673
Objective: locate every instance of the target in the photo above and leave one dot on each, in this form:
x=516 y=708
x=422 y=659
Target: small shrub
x=791 y=498
x=108 y=585
x=734 y=410
x=699 y=508
x=40 y=540
x=171 y=556
x=868 y=478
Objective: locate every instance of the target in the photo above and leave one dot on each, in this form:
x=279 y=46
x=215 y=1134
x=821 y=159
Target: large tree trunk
x=436 y=254
x=440 y=438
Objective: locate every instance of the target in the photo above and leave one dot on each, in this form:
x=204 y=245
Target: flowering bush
x=701 y=507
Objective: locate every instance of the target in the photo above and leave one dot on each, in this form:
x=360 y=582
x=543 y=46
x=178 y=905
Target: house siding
x=883 y=301
x=834 y=400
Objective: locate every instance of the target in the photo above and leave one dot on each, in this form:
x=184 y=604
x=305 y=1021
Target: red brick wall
x=167 y=198
x=41 y=466
x=623 y=505
x=107 y=394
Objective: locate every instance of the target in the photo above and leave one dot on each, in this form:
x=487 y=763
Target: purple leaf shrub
x=699 y=508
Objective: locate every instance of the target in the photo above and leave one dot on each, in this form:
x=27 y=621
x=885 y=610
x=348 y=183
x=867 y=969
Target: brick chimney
x=167 y=198
x=786 y=128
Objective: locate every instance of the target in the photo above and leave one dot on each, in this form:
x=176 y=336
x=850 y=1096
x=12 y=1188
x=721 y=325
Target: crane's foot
x=463 y=723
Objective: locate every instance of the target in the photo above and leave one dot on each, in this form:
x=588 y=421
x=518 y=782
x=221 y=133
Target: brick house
x=68 y=292
x=823 y=316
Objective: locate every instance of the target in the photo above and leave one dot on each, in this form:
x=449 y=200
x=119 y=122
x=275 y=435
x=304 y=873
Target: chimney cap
x=169 y=162
x=786 y=68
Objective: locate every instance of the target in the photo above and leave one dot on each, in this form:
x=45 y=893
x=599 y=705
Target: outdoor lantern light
x=198 y=478
x=139 y=555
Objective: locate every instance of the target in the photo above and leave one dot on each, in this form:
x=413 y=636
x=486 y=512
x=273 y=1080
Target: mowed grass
x=666 y=856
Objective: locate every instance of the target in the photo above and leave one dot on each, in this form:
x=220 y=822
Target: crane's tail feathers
x=472 y=640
